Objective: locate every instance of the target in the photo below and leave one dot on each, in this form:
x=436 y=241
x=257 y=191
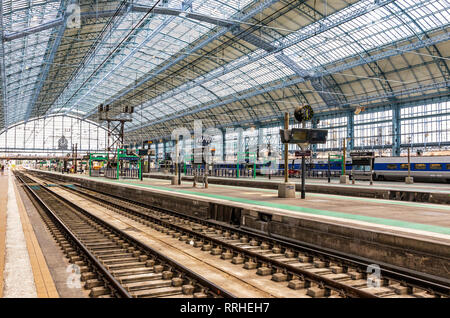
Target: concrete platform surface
x=410 y=216
x=429 y=193
x=395 y=185
x=25 y=273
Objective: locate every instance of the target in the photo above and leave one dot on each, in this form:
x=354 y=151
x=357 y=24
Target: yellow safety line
x=45 y=286
x=3 y=205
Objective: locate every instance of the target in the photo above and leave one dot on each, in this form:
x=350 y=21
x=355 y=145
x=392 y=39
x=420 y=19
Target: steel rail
x=72 y=237
x=416 y=279
x=331 y=284
x=164 y=259
x=434 y=284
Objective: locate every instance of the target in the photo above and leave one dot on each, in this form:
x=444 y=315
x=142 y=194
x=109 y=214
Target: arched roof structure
x=236 y=62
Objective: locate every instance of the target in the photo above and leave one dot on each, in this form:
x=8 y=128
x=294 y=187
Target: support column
x=280 y=144
x=164 y=150
x=286 y=189
x=239 y=140
x=314 y=146
x=224 y=145
x=260 y=142
x=396 y=131
x=350 y=130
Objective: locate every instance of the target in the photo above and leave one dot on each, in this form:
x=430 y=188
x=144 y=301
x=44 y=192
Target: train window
x=435 y=166
x=420 y=166
x=448 y=166
x=404 y=166
x=392 y=166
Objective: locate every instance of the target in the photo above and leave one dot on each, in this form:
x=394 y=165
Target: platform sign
x=303 y=135
x=143 y=152
x=361 y=161
x=306 y=153
x=362 y=154
x=129 y=158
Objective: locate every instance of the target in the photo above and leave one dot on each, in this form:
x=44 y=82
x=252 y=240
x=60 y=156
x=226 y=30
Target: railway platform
x=409 y=235
x=419 y=192
x=24 y=272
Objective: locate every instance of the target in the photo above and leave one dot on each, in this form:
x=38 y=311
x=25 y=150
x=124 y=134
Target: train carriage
x=424 y=168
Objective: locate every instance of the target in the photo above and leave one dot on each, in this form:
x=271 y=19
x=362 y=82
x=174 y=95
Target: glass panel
x=44 y=135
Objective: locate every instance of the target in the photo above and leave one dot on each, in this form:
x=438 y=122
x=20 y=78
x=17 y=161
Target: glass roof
x=388 y=24
x=380 y=27
x=164 y=36
x=24 y=57
x=161 y=38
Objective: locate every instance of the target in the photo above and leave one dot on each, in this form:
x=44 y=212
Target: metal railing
x=111 y=173
x=129 y=173
x=98 y=172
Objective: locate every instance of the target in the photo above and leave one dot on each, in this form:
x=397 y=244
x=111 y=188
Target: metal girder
x=287 y=61
x=340 y=68
x=132 y=8
x=51 y=56
x=330 y=93
x=282 y=44
x=276 y=118
x=268 y=47
x=433 y=50
x=239 y=33
x=396 y=138
x=91 y=52
x=153 y=33
x=326 y=91
x=350 y=129
x=264 y=4
x=4 y=108
x=361 y=100
x=41 y=27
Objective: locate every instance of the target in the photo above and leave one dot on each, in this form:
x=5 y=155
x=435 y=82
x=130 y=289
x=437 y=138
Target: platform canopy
x=227 y=62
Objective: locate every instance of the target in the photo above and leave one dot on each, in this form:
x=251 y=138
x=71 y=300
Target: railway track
x=322 y=274
x=111 y=263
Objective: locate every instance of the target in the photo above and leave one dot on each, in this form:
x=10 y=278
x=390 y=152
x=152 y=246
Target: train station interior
x=238 y=149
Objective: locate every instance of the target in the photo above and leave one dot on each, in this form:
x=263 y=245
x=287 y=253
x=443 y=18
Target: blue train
x=423 y=168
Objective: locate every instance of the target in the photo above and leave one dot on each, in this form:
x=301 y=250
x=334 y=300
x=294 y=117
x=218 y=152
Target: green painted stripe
x=343 y=197
x=370 y=219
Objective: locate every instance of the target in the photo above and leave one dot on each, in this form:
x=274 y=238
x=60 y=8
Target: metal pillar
x=239 y=140
x=396 y=131
x=224 y=145
x=260 y=142
x=286 y=148
x=350 y=130
x=313 y=146
x=303 y=192
x=344 y=153
x=329 y=168
x=164 y=150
